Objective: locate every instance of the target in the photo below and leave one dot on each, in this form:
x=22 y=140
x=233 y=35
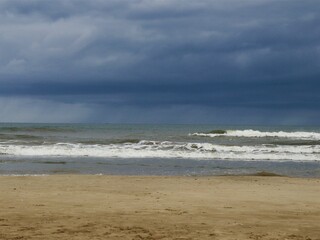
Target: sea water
x=150 y=149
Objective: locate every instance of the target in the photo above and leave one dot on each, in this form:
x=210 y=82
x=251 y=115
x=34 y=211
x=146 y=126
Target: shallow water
x=158 y=149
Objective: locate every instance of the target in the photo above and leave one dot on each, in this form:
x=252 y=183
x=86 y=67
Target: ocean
x=158 y=149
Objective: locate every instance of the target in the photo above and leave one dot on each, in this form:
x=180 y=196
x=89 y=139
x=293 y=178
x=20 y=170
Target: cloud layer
x=255 y=61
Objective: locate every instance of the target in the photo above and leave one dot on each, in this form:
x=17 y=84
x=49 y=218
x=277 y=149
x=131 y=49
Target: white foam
x=258 y=134
x=154 y=149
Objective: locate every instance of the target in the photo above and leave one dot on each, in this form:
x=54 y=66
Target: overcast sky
x=160 y=61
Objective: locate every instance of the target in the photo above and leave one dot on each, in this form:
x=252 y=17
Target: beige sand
x=122 y=207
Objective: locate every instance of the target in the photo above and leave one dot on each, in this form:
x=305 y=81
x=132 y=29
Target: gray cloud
x=24 y=109
x=258 y=57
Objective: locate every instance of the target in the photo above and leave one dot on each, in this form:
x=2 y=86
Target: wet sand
x=126 y=207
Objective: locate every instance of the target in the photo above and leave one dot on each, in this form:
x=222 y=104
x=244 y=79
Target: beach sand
x=140 y=207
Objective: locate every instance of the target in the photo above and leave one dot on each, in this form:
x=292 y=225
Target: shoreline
x=156 y=167
x=256 y=174
x=159 y=207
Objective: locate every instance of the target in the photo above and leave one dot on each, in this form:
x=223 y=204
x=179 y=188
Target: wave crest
x=249 y=133
x=167 y=149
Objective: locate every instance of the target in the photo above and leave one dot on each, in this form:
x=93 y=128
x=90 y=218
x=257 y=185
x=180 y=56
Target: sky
x=160 y=61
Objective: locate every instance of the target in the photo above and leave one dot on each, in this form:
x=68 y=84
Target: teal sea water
x=150 y=149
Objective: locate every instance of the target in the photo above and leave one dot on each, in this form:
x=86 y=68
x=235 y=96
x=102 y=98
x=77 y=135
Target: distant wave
x=166 y=149
x=258 y=134
x=36 y=129
x=18 y=136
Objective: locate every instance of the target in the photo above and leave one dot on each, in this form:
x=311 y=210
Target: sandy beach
x=140 y=207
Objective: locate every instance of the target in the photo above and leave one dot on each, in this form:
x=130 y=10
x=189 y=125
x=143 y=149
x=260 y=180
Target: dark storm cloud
x=257 y=57
x=267 y=94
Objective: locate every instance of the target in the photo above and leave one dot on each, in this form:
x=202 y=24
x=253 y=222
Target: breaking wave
x=166 y=149
x=259 y=134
